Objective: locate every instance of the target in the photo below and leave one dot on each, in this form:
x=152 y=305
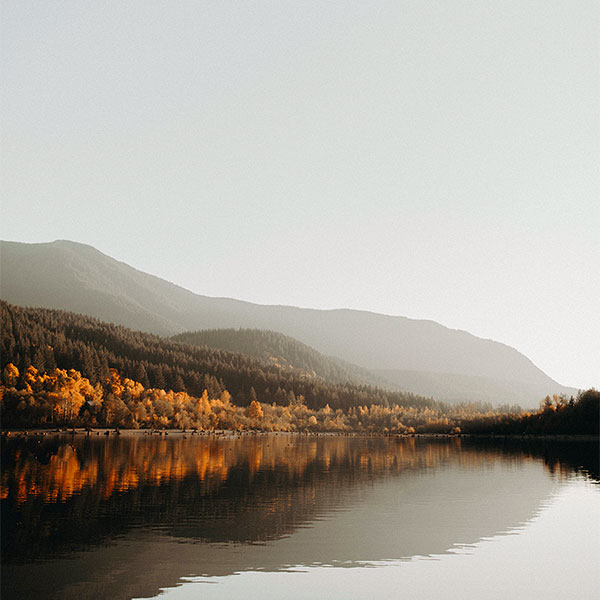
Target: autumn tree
x=254 y=410
x=11 y=375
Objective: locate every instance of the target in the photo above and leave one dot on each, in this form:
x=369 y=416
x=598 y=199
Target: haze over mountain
x=283 y=351
x=418 y=355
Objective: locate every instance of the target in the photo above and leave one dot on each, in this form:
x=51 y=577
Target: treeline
x=62 y=397
x=558 y=415
x=47 y=339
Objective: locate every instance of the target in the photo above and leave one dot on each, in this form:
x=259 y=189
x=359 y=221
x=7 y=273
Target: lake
x=293 y=516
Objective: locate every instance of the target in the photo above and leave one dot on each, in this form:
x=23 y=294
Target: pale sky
x=436 y=160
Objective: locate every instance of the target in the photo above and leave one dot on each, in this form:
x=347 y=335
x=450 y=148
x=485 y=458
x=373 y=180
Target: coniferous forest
x=60 y=368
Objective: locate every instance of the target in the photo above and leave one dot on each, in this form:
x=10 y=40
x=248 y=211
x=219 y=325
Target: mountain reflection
x=77 y=510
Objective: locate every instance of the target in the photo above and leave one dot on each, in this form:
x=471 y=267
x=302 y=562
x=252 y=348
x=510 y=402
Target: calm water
x=287 y=516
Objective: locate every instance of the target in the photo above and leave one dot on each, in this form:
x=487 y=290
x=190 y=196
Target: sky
x=437 y=160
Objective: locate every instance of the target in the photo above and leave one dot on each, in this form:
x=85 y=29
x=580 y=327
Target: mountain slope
x=281 y=350
x=78 y=278
x=453 y=387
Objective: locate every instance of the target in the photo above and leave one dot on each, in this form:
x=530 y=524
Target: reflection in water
x=554 y=557
x=122 y=517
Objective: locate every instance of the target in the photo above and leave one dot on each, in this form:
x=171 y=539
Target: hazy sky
x=436 y=160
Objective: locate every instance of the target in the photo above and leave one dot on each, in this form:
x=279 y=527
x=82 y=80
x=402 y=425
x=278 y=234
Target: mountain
x=280 y=350
x=79 y=278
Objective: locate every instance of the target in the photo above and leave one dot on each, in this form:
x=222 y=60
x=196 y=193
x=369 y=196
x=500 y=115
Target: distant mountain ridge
x=76 y=277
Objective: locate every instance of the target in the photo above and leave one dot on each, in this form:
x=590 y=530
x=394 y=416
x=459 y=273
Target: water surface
x=281 y=515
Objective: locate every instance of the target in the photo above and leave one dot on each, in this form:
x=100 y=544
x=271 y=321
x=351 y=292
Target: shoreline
x=229 y=433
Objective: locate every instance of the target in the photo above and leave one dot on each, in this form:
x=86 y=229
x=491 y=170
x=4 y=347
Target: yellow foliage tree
x=11 y=374
x=254 y=410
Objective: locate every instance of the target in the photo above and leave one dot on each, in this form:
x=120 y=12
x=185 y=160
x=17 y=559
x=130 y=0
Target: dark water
x=289 y=516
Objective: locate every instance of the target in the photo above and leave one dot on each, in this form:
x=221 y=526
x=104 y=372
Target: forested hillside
x=60 y=368
x=51 y=338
